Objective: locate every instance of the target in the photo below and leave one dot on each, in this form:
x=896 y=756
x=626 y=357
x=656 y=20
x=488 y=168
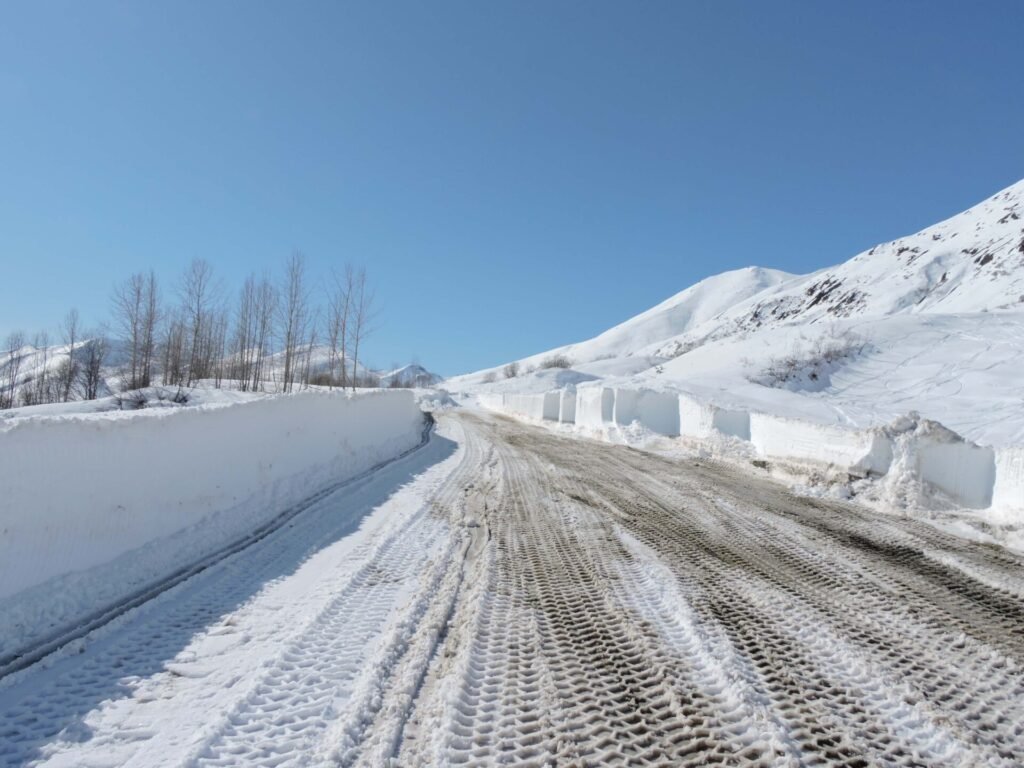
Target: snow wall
x=539 y=406
x=1008 y=491
x=658 y=411
x=129 y=497
x=858 y=452
x=697 y=419
x=594 y=406
x=963 y=470
x=973 y=476
x=567 y=406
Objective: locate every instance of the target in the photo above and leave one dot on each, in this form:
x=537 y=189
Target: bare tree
x=15 y=355
x=363 y=313
x=294 y=315
x=339 y=311
x=150 y=318
x=68 y=373
x=242 y=345
x=136 y=310
x=264 y=311
x=308 y=361
x=92 y=366
x=199 y=296
x=174 y=352
x=40 y=390
x=217 y=345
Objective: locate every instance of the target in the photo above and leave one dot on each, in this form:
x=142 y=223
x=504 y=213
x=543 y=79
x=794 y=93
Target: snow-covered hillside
x=929 y=324
x=675 y=316
x=972 y=262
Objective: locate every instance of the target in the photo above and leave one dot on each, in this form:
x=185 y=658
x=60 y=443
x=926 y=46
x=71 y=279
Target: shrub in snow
x=556 y=361
x=811 y=362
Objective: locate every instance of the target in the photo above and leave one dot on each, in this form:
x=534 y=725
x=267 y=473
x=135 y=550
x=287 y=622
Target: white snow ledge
x=96 y=506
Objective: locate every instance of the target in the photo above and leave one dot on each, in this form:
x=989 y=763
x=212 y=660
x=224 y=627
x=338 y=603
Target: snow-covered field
x=893 y=377
x=96 y=506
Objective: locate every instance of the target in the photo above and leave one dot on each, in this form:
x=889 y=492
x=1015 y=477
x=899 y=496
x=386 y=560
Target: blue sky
x=514 y=175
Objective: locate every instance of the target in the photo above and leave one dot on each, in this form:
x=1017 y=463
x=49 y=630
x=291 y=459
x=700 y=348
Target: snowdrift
x=95 y=506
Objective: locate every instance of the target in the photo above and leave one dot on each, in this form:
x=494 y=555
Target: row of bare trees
x=29 y=375
x=269 y=337
x=266 y=338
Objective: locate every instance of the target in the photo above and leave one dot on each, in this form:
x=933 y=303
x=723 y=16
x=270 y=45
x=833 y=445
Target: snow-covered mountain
x=972 y=262
x=412 y=375
x=932 y=322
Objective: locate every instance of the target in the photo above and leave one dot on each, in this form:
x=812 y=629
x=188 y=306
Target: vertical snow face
x=144 y=492
x=853 y=451
x=657 y=411
x=698 y=419
x=964 y=471
x=541 y=407
x=594 y=406
x=1008 y=493
x=567 y=406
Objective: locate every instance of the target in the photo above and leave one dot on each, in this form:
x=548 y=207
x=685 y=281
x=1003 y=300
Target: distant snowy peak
x=972 y=262
x=412 y=375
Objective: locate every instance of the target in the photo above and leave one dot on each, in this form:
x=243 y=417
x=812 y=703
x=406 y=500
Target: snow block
x=567 y=406
x=541 y=407
x=657 y=411
x=594 y=406
x=141 y=493
x=963 y=470
x=858 y=452
x=1008 y=493
x=697 y=419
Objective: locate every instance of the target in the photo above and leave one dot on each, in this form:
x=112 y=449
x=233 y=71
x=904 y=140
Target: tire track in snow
x=49 y=711
x=635 y=610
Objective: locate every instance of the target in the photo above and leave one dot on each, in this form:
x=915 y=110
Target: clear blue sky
x=514 y=175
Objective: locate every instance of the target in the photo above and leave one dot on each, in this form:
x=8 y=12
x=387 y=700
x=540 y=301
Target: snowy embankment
x=915 y=460
x=97 y=506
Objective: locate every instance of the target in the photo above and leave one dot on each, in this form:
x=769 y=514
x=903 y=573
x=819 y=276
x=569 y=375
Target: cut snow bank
x=658 y=411
x=698 y=419
x=539 y=407
x=919 y=459
x=1008 y=493
x=858 y=452
x=96 y=506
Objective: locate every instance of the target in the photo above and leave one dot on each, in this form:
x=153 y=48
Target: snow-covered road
x=507 y=595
